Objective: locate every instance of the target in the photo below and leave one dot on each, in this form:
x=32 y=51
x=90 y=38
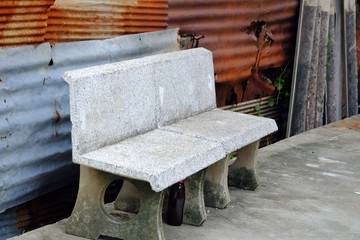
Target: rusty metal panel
x=35 y=144
x=23 y=22
x=226 y=25
x=73 y=20
x=32 y=22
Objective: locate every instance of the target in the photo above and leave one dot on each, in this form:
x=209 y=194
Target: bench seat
x=230 y=129
x=159 y=157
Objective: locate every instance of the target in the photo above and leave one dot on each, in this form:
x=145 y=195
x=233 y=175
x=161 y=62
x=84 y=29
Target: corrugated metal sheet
x=35 y=132
x=225 y=25
x=31 y=22
x=35 y=125
x=73 y=20
x=23 y=22
x=41 y=211
x=8 y=223
x=249 y=107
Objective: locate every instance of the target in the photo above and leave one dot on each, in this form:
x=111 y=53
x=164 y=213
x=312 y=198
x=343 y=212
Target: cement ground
x=310 y=189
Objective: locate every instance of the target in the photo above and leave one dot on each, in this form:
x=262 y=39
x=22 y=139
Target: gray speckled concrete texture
x=117 y=108
x=232 y=130
x=185 y=85
x=309 y=189
x=112 y=102
x=159 y=157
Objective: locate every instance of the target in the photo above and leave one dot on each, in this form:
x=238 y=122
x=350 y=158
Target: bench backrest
x=112 y=102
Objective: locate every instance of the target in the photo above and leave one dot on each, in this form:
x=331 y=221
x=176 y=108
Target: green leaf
x=271 y=102
x=257 y=107
x=276 y=82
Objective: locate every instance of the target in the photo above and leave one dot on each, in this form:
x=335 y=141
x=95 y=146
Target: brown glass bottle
x=176 y=203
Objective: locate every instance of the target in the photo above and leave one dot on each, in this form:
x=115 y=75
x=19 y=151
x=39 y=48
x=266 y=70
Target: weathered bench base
x=128 y=199
x=90 y=219
x=241 y=174
x=216 y=188
x=194 y=209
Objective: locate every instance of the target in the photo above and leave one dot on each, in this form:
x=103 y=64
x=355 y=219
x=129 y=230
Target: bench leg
x=194 y=209
x=216 y=184
x=89 y=218
x=243 y=173
x=128 y=199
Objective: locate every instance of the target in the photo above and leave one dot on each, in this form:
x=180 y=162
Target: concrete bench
x=152 y=122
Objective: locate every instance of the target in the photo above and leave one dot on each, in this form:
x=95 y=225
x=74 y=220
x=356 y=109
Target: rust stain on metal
x=190 y=40
x=31 y=22
x=84 y=20
x=257 y=84
x=23 y=22
x=57 y=117
x=222 y=22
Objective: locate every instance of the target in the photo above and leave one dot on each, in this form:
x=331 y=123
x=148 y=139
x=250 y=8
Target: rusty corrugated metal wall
x=31 y=22
x=225 y=25
x=23 y=22
x=74 y=20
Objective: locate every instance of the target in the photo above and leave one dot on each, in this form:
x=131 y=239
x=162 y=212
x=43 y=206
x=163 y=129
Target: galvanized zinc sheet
x=8 y=222
x=226 y=27
x=35 y=144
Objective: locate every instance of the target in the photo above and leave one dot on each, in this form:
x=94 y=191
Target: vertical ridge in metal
x=350 y=59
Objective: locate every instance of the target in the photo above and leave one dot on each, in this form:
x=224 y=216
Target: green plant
x=281 y=77
x=258 y=108
x=280 y=83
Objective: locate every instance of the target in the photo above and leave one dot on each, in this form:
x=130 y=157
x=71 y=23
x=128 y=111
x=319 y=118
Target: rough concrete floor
x=310 y=189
